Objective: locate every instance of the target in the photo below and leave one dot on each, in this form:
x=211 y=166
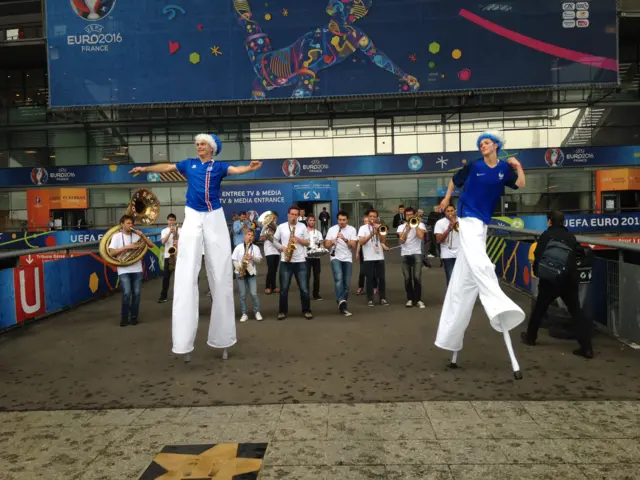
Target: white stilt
x=517 y=374
x=225 y=354
x=187 y=358
x=454 y=360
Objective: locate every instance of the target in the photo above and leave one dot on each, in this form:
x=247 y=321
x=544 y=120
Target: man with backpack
x=555 y=266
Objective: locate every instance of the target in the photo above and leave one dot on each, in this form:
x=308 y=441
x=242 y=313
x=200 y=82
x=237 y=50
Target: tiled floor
x=429 y=440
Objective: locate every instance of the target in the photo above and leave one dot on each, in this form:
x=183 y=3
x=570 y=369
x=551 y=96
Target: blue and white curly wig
x=495 y=136
x=213 y=141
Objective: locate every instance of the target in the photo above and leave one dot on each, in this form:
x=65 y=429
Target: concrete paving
x=390 y=441
x=82 y=359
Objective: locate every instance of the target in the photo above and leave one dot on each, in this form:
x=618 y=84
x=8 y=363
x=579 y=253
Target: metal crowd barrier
x=618 y=279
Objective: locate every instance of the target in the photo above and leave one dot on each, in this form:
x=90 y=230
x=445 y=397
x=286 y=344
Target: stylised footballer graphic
x=299 y=63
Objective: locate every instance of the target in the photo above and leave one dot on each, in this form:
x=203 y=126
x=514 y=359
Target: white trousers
x=203 y=231
x=474 y=274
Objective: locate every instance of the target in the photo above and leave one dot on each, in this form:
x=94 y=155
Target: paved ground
x=402 y=441
x=83 y=360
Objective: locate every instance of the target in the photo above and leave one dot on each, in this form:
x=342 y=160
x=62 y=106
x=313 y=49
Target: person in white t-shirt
x=411 y=240
x=341 y=240
x=372 y=247
x=168 y=237
x=247 y=280
x=448 y=239
x=314 y=263
x=360 y=257
x=130 y=276
x=296 y=266
x=272 y=254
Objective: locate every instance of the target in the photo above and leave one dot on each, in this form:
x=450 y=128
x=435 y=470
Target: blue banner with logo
x=577 y=223
x=25 y=240
x=108 y=52
x=309 y=168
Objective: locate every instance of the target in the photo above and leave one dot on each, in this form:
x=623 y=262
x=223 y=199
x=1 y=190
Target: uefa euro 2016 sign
x=117 y=52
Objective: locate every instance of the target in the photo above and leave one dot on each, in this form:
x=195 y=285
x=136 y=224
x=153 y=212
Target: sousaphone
x=144 y=208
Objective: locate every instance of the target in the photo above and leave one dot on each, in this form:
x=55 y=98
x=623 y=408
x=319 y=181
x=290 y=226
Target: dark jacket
x=398 y=218
x=563 y=235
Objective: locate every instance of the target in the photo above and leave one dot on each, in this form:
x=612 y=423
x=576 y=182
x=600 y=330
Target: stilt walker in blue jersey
x=474 y=273
x=204 y=230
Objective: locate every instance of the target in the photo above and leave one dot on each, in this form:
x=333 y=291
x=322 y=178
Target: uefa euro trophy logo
x=92 y=5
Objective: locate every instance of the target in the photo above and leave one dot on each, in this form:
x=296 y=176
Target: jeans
x=342 y=279
x=375 y=269
x=272 y=270
x=361 y=277
x=130 y=283
x=298 y=270
x=314 y=264
x=448 y=264
x=249 y=282
x=324 y=228
x=166 y=279
x=412 y=273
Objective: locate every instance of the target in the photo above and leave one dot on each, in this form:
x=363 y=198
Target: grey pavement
x=395 y=441
x=82 y=359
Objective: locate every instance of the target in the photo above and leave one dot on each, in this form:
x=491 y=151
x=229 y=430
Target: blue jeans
x=448 y=264
x=342 y=278
x=298 y=270
x=250 y=282
x=130 y=283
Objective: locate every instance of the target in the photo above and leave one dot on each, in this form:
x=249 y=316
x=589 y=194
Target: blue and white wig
x=213 y=141
x=494 y=136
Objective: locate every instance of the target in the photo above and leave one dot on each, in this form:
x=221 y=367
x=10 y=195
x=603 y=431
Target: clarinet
x=333 y=247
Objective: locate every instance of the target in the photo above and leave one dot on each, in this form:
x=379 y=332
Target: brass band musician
x=239 y=227
x=169 y=238
x=245 y=257
x=411 y=236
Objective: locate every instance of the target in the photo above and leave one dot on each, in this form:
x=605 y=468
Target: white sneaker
x=421 y=304
x=409 y=304
x=258 y=316
x=244 y=317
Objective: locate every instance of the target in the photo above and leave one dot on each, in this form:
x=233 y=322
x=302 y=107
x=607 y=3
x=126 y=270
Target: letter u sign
x=29 y=292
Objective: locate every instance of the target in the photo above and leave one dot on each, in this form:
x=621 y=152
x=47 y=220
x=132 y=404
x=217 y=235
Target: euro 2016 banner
x=117 y=52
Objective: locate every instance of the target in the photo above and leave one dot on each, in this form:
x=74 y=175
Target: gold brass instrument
x=245 y=266
x=456 y=227
x=291 y=246
x=267 y=221
x=144 y=208
x=173 y=250
x=383 y=229
x=414 y=222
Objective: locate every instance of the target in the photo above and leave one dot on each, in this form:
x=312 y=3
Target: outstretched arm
x=254 y=165
x=158 y=168
x=380 y=59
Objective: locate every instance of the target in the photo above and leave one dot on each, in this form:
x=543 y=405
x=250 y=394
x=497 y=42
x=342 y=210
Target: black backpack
x=554 y=264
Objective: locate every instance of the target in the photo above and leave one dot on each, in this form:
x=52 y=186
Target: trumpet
x=382 y=229
x=414 y=222
x=456 y=227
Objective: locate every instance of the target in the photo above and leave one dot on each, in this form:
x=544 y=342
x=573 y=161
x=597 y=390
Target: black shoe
x=584 y=353
x=124 y=322
x=162 y=299
x=134 y=321
x=525 y=339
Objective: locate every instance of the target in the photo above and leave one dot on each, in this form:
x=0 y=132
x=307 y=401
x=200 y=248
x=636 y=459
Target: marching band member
x=474 y=273
x=239 y=227
x=313 y=263
x=373 y=247
x=245 y=257
x=293 y=238
x=167 y=237
x=205 y=228
x=272 y=254
x=341 y=239
x=360 y=258
x=448 y=239
x=411 y=239
x=130 y=276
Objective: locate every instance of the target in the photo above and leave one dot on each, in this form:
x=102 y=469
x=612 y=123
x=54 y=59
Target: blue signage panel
x=577 y=223
x=24 y=240
x=309 y=168
x=112 y=52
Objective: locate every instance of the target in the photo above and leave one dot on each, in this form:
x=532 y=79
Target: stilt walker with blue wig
x=204 y=230
x=474 y=273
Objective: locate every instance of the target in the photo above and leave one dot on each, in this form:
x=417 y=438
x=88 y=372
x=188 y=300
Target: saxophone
x=173 y=250
x=291 y=246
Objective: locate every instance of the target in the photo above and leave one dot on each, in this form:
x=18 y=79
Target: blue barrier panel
x=7 y=299
x=47 y=287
